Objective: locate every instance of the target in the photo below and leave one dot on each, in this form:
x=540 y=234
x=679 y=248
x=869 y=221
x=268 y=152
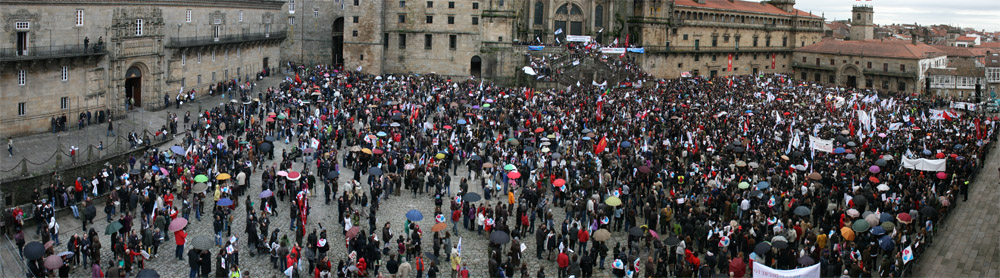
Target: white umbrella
x=528 y=70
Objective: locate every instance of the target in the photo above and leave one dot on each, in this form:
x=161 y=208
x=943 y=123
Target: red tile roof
x=738 y=5
x=874 y=48
x=954 y=51
x=965 y=39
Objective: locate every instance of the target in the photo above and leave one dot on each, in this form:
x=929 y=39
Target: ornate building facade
x=69 y=57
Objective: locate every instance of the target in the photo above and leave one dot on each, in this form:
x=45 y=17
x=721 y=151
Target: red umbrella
x=873 y=179
x=294 y=176
x=904 y=217
x=559 y=182
x=939 y=155
x=942 y=175
x=447 y=127
x=178 y=224
x=539 y=130
x=378 y=151
x=514 y=175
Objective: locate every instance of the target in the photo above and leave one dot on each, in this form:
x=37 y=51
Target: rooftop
x=876 y=48
x=959 y=68
x=745 y=6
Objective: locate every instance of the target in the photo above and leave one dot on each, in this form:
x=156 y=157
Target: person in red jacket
x=563 y=261
x=179 y=237
x=583 y=236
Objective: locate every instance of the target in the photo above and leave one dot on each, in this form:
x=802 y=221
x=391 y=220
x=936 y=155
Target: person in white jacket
x=54 y=229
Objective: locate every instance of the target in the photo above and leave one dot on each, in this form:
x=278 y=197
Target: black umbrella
x=134 y=171
x=397 y=117
x=802 y=211
x=499 y=237
x=266 y=146
x=471 y=197
x=762 y=248
x=89 y=212
x=928 y=212
x=529 y=148
x=430 y=256
x=269 y=138
x=476 y=158
x=806 y=261
x=332 y=175
x=780 y=244
x=672 y=241
x=635 y=231
x=147 y=273
x=33 y=250
x=860 y=201
x=375 y=171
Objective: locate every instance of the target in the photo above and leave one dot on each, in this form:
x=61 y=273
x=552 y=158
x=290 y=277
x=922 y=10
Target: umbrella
x=509 y=167
x=224 y=202
x=778 y=238
x=147 y=273
x=199 y=187
x=741 y=164
x=514 y=175
x=872 y=219
x=853 y=213
x=780 y=244
x=800 y=167
x=476 y=157
x=34 y=250
x=860 y=226
x=462 y=121
x=814 y=175
x=203 y=242
x=763 y=185
x=414 y=215
x=644 y=169
x=178 y=150
x=558 y=182
x=375 y=171
x=904 y=218
x=332 y=175
x=886 y=243
x=381 y=134
x=223 y=177
x=439 y=227
x=353 y=232
x=802 y=211
x=839 y=150
x=672 y=241
x=89 y=212
x=200 y=178
x=928 y=212
x=860 y=200
x=806 y=261
x=113 y=227
x=488 y=165
x=885 y=217
x=471 y=197
x=847 y=233
x=762 y=248
x=282 y=173
x=178 y=224
x=294 y=176
x=877 y=231
x=266 y=193
x=613 y=201
x=601 y=235
x=852 y=144
x=635 y=231
x=626 y=144
x=942 y=175
x=269 y=138
x=53 y=262
x=882 y=187
x=873 y=179
x=499 y=237
x=874 y=169
x=888 y=226
x=881 y=162
x=744 y=185
x=366 y=151
x=135 y=171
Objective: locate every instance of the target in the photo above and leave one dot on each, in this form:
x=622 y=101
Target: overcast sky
x=978 y=14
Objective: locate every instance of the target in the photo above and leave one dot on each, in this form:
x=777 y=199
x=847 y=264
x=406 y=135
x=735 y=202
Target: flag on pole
x=601 y=145
x=626 y=45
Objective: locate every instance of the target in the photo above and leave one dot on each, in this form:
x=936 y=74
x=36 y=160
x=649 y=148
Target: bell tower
x=862 y=24
x=785 y=5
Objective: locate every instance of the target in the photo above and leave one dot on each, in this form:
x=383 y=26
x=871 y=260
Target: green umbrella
x=860 y=225
x=509 y=167
x=113 y=227
x=200 y=178
x=888 y=226
x=744 y=185
x=281 y=117
x=486 y=105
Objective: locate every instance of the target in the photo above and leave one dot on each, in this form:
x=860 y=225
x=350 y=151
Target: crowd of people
x=685 y=177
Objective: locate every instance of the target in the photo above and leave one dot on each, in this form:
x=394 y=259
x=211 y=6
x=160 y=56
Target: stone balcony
x=49 y=52
x=184 y=42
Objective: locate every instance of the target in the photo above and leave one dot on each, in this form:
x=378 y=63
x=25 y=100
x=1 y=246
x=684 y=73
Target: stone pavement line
x=967 y=244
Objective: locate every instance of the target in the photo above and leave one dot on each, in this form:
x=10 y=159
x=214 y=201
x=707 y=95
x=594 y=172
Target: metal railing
x=717 y=49
x=48 y=52
x=213 y=40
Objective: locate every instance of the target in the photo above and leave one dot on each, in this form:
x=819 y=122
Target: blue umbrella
x=178 y=150
x=375 y=171
x=749 y=111
x=763 y=185
x=886 y=242
x=462 y=121
x=156 y=168
x=884 y=217
x=414 y=215
x=225 y=202
x=839 y=150
x=626 y=144
x=380 y=134
x=877 y=231
x=585 y=138
x=927 y=152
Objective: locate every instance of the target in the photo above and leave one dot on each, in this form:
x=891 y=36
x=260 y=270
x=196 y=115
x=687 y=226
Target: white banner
x=820 y=145
x=923 y=164
x=575 y=38
x=963 y=105
x=613 y=50
x=762 y=271
x=936 y=114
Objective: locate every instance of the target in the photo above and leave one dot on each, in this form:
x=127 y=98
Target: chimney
x=913 y=37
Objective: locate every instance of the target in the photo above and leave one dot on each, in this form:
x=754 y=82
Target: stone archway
x=338 y=41
x=476 y=66
x=133 y=86
x=850 y=76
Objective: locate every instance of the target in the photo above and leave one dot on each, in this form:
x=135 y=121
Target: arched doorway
x=133 y=87
x=569 y=17
x=476 y=66
x=849 y=76
x=338 y=42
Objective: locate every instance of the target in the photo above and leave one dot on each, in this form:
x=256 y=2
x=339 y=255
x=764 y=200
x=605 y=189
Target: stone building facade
x=68 y=57
x=890 y=66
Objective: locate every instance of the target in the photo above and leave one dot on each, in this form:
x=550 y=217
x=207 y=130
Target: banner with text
x=762 y=271
x=820 y=144
x=575 y=38
x=613 y=50
x=923 y=164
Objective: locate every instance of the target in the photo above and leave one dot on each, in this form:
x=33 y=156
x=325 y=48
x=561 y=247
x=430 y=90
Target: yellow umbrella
x=613 y=201
x=223 y=177
x=366 y=151
x=440 y=156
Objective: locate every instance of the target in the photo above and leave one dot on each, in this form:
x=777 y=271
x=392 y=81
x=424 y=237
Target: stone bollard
x=59 y=155
x=90 y=152
x=24 y=167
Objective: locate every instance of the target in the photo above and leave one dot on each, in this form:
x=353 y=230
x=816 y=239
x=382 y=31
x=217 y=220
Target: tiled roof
x=959 y=68
x=875 y=48
x=965 y=39
x=954 y=51
x=746 y=6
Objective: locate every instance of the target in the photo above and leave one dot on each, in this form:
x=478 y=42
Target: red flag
x=601 y=145
x=851 y=125
x=729 y=63
x=297 y=79
x=979 y=131
x=946 y=116
x=626 y=47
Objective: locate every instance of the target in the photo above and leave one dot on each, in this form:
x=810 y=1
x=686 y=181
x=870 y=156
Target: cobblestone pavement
x=967 y=244
x=474 y=247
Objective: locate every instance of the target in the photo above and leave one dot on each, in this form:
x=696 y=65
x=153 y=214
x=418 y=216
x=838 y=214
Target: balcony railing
x=212 y=40
x=49 y=52
x=717 y=49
